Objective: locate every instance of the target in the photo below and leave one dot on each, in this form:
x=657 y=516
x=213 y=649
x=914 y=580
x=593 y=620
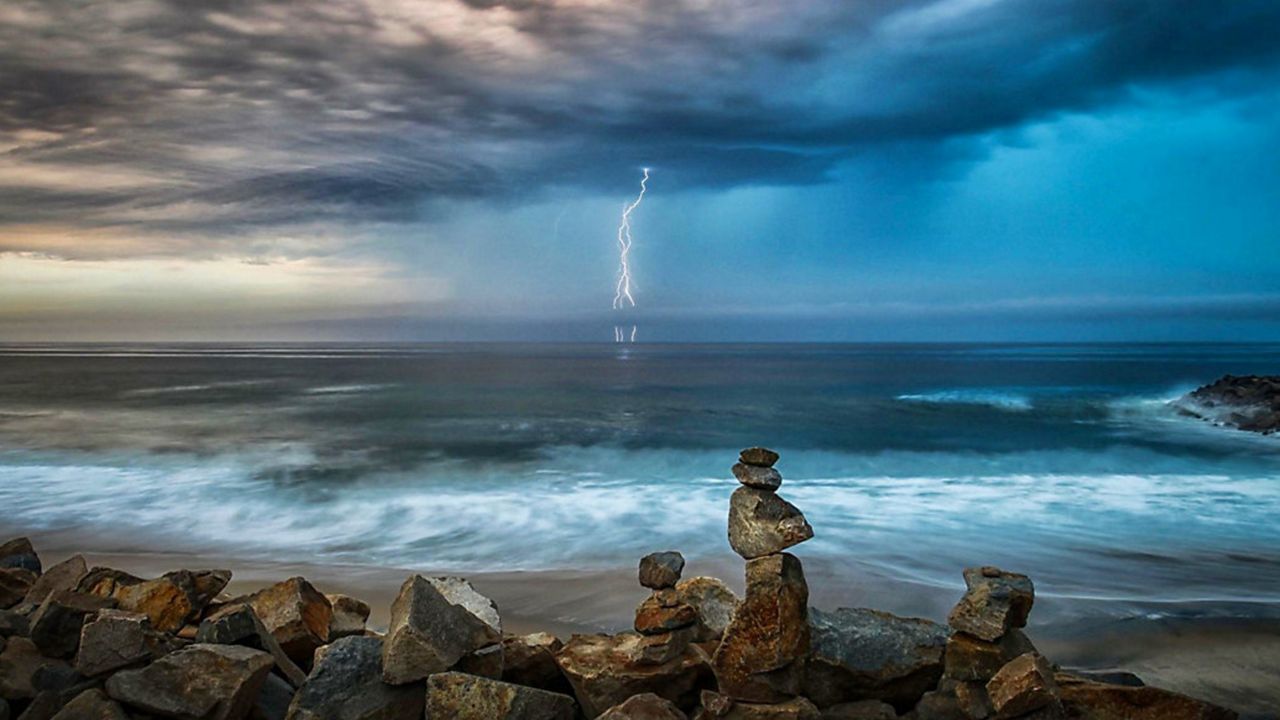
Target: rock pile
x=1249 y=402
x=80 y=643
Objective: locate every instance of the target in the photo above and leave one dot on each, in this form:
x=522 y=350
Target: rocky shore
x=1249 y=402
x=96 y=643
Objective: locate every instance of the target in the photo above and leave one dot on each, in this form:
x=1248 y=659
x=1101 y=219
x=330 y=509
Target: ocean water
x=911 y=461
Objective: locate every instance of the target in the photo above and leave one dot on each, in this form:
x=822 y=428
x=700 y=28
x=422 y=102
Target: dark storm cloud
x=160 y=115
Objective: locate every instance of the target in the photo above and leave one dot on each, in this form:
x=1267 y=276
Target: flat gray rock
x=346 y=684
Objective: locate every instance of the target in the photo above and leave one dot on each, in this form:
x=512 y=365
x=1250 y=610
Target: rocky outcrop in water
x=1249 y=402
x=101 y=644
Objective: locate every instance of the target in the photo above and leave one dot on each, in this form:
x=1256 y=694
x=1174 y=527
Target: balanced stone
x=1025 y=684
x=662 y=612
x=661 y=569
x=757 y=659
x=971 y=659
x=428 y=634
x=758 y=456
x=762 y=523
x=714 y=602
x=763 y=478
x=994 y=602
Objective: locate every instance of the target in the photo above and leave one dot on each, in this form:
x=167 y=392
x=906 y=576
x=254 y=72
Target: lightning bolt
x=622 y=293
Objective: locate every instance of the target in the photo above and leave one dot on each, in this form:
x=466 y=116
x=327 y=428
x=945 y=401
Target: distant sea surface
x=911 y=461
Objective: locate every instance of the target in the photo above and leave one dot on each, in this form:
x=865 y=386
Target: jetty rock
x=1248 y=402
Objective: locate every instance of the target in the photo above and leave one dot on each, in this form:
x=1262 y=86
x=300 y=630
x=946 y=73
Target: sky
x=899 y=170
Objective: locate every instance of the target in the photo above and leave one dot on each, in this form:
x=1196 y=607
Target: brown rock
x=459 y=696
x=297 y=615
x=238 y=624
x=62 y=576
x=663 y=612
x=18 y=553
x=937 y=705
x=713 y=705
x=714 y=602
x=1023 y=685
x=1088 y=700
x=428 y=634
x=973 y=700
x=12 y=623
x=531 y=660
x=862 y=654
x=761 y=478
x=861 y=710
x=106 y=582
x=15 y=583
x=604 y=672
x=762 y=523
x=200 y=682
x=56 y=625
x=968 y=658
x=793 y=709
x=349 y=616
x=346 y=684
x=660 y=649
x=645 y=706
x=994 y=602
x=20 y=663
x=92 y=704
x=756 y=660
x=758 y=456
x=172 y=600
x=485 y=662
x=115 y=639
x=661 y=569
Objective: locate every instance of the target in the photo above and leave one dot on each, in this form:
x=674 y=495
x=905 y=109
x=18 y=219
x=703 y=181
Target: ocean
x=911 y=461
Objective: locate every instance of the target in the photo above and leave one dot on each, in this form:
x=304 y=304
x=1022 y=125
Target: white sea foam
x=1013 y=401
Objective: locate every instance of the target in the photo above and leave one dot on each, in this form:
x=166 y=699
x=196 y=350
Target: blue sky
x=388 y=169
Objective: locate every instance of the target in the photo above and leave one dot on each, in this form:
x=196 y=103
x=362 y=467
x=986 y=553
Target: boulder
x=459 y=696
x=1089 y=700
x=1024 y=685
x=115 y=639
x=1250 y=402
x=173 y=599
x=63 y=576
x=714 y=602
x=459 y=591
x=756 y=660
x=663 y=612
x=995 y=602
x=92 y=704
x=754 y=476
x=106 y=582
x=972 y=698
x=428 y=633
x=15 y=583
x=762 y=523
x=349 y=616
x=605 y=670
x=485 y=662
x=531 y=660
x=661 y=569
x=56 y=625
x=758 y=456
x=273 y=699
x=18 y=553
x=20 y=665
x=970 y=659
x=238 y=624
x=861 y=654
x=645 y=706
x=794 y=709
x=860 y=710
x=937 y=705
x=663 y=648
x=346 y=684
x=297 y=615
x=13 y=623
x=200 y=682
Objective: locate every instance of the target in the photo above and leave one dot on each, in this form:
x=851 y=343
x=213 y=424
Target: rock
x=13 y=623
x=661 y=569
x=663 y=612
x=238 y=624
x=761 y=478
x=1022 y=686
x=18 y=553
x=758 y=456
x=1251 y=403
x=531 y=660
x=273 y=699
x=297 y=615
x=973 y=699
x=5 y=712
x=937 y=705
x=762 y=523
x=105 y=581
x=92 y=704
x=459 y=696
x=116 y=639
x=714 y=602
x=713 y=705
x=62 y=576
x=994 y=602
x=645 y=706
x=485 y=662
x=200 y=682
x=172 y=600
x=20 y=664
x=793 y=709
x=861 y=710
x=428 y=633
x=56 y=625
x=349 y=616
x=661 y=649
x=1111 y=677
x=1088 y=700
x=346 y=684
x=861 y=654
x=971 y=659
x=756 y=660
x=604 y=672
x=460 y=592
x=15 y=583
